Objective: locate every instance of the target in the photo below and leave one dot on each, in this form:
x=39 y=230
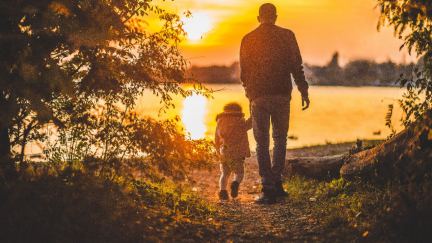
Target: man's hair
x=233 y=106
x=267 y=10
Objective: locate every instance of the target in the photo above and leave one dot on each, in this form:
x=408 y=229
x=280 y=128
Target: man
x=269 y=55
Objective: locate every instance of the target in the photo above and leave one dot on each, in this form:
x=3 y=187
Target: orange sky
x=321 y=27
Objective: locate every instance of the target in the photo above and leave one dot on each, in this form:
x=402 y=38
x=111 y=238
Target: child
x=232 y=145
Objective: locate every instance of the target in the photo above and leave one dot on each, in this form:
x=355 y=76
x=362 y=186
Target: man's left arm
x=297 y=71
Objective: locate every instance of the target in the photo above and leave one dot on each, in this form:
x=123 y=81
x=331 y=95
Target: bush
x=66 y=204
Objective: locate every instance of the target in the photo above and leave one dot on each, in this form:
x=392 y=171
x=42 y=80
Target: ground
x=289 y=220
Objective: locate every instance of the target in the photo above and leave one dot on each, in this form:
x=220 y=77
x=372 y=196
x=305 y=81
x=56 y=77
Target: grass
x=353 y=210
x=74 y=206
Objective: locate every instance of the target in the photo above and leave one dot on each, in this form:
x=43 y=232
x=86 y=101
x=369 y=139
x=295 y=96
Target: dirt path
x=243 y=220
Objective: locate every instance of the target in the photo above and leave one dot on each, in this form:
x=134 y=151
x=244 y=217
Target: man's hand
x=305 y=102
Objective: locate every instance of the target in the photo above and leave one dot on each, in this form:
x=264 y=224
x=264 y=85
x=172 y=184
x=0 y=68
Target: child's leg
x=225 y=173
x=239 y=171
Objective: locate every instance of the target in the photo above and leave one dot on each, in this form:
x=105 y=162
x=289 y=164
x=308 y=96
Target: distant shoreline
x=318 y=85
x=359 y=72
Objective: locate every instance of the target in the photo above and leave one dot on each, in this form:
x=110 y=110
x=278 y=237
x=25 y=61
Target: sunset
x=215 y=121
x=196 y=26
x=321 y=26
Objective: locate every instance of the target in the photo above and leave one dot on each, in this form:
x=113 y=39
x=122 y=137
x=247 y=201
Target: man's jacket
x=268 y=56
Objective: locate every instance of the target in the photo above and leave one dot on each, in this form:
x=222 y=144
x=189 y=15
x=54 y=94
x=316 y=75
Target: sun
x=197 y=25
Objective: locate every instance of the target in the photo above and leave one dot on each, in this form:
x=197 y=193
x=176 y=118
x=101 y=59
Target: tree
x=361 y=72
x=334 y=62
x=330 y=74
x=83 y=52
x=412 y=22
x=216 y=74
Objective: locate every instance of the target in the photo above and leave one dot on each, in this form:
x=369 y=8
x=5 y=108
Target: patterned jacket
x=231 y=138
x=268 y=56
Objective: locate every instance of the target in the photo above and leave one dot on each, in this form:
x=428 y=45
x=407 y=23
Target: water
x=337 y=114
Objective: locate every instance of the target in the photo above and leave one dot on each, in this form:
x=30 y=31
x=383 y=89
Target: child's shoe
x=223 y=195
x=234 y=189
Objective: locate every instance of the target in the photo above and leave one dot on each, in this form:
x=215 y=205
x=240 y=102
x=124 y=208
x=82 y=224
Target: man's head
x=267 y=14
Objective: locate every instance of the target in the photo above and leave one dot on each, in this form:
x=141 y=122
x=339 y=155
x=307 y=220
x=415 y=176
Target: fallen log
x=315 y=167
x=408 y=151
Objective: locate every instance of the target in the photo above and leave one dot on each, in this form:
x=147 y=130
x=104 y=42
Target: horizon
x=215 y=30
x=324 y=64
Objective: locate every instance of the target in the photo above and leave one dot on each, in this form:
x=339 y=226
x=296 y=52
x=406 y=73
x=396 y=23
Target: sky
x=321 y=26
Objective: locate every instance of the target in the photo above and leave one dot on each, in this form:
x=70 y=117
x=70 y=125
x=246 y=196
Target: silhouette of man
x=269 y=55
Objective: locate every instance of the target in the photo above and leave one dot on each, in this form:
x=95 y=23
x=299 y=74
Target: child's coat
x=231 y=135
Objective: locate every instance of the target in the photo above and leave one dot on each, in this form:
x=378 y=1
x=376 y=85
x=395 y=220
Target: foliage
x=64 y=203
x=112 y=133
x=412 y=22
x=388 y=121
x=86 y=53
x=70 y=73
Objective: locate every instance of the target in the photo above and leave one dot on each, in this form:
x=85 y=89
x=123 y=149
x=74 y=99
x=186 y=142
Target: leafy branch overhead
x=61 y=58
x=412 y=22
x=388 y=120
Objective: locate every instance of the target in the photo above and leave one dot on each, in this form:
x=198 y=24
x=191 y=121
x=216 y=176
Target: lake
x=336 y=114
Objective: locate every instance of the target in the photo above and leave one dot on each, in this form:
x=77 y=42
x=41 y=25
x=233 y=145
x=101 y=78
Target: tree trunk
x=4 y=143
x=5 y=153
x=315 y=167
x=407 y=151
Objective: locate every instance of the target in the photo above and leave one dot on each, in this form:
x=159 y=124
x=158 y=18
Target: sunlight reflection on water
x=193 y=116
x=337 y=114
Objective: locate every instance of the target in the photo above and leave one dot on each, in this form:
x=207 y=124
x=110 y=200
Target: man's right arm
x=244 y=64
x=243 y=61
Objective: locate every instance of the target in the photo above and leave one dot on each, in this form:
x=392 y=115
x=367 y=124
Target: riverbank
x=79 y=205
x=315 y=211
x=206 y=182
